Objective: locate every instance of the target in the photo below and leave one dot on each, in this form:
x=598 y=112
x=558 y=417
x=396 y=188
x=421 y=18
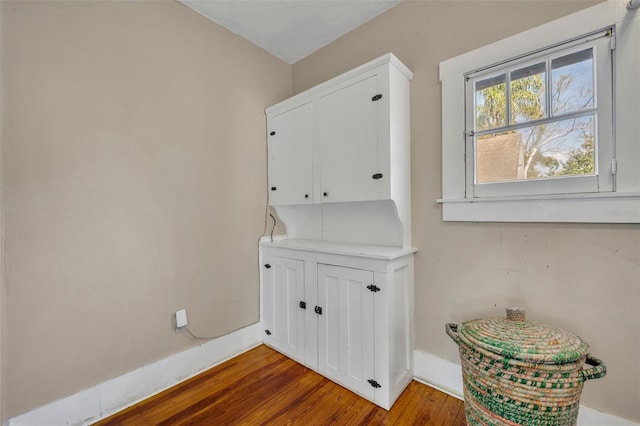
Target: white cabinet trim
x=388 y=58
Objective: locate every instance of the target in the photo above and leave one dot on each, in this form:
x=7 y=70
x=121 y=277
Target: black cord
x=193 y=336
x=266 y=188
x=273 y=227
x=197 y=337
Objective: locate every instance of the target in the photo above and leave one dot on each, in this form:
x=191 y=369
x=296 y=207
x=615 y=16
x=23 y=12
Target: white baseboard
x=104 y=399
x=107 y=398
x=446 y=376
x=438 y=372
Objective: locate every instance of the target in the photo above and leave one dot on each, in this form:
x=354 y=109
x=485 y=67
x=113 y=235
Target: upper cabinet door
x=290 y=156
x=347 y=142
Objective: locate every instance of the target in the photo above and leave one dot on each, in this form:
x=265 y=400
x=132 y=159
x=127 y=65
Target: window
x=542 y=123
x=543 y=126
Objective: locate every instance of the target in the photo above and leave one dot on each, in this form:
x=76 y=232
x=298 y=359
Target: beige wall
x=2 y=263
x=134 y=176
x=584 y=278
x=134 y=167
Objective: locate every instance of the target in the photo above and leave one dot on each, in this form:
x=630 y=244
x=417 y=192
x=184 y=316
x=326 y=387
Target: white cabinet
x=290 y=166
x=347 y=142
x=345 y=328
x=339 y=169
x=282 y=290
x=351 y=134
x=354 y=324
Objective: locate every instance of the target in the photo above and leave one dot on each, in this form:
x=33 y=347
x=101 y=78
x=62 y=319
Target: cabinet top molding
x=347 y=249
x=385 y=59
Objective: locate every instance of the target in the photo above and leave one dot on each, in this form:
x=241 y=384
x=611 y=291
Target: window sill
x=618 y=207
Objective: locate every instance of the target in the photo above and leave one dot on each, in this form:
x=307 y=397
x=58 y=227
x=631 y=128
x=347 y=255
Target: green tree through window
x=560 y=140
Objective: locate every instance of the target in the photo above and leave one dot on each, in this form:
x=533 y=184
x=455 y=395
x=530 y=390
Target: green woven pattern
x=525 y=340
x=478 y=415
x=504 y=391
x=510 y=395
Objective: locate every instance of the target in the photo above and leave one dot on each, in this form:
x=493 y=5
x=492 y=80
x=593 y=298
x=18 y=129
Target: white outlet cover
x=181 y=318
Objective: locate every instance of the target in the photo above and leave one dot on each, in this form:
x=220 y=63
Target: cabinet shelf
x=339 y=248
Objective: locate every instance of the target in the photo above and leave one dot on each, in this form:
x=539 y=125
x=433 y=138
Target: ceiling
x=290 y=29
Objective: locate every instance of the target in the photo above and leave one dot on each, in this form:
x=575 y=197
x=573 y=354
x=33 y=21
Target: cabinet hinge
x=612 y=42
x=268 y=332
x=614 y=166
x=318 y=310
x=374 y=288
x=373 y=383
x=469 y=133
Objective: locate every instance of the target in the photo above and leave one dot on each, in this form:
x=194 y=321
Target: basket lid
x=515 y=337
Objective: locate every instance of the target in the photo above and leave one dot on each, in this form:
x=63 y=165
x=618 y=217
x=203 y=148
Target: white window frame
x=622 y=203
x=603 y=179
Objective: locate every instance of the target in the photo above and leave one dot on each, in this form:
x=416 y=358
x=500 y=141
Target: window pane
x=491 y=102
x=572 y=79
x=528 y=97
x=561 y=148
x=499 y=157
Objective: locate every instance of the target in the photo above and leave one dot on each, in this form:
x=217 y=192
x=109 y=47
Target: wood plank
x=263 y=387
x=461 y=419
x=235 y=401
x=184 y=395
x=449 y=411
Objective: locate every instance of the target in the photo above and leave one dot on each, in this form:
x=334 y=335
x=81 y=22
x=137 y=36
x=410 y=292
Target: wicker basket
x=518 y=372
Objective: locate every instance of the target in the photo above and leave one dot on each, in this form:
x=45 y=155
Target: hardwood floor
x=263 y=387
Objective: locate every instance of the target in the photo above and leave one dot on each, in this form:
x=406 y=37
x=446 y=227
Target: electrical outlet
x=181 y=318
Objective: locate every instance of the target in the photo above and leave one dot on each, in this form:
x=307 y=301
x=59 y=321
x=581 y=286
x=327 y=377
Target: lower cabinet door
x=345 y=327
x=282 y=313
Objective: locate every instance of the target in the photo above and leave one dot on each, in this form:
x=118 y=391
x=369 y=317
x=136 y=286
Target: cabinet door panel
x=290 y=157
x=283 y=289
x=347 y=135
x=345 y=328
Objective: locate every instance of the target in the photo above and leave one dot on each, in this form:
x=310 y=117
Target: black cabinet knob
x=272 y=133
x=273 y=188
x=267 y=266
x=306 y=195
x=326 y=194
